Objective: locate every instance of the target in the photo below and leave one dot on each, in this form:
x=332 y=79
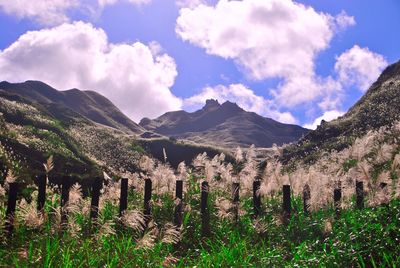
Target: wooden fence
x=178 y=211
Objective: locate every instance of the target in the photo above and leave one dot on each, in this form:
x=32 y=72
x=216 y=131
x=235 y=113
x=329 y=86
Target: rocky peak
x=211 y=104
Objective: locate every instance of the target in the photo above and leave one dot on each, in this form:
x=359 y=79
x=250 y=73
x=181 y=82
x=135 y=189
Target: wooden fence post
x=147 y=198
x=337 y=196
x=179 y=204
x=11 y=204
x=42 y=183
x=256 y=198
x=65 y=187
x=360 y=194
x=235 y=200
x=205 y=214
x=94 y=206
x=286 y=202
x=123 y=199
x=306 y=199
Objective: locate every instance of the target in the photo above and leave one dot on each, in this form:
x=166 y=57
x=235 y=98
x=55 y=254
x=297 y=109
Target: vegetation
x=361 y=238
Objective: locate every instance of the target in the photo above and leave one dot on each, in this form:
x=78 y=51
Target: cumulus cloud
x=244 y=97
x=266 y=39
x=359 y=66
x=189 y=3
x=43 y=11
x=79 y=55
x=103 y=3
x=343 y=20
x=327 y=116
x=55 y=12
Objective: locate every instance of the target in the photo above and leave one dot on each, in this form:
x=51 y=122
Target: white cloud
x=241 y=95
x=79 y=55
x=359 y=66
x=266 y=39
x=343 y=20
x=103 y=3
x=327 y=116
x=46 y=12
x=189 y=3
x=54 y=12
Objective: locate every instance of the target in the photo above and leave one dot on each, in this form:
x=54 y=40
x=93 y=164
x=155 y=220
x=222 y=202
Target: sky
x=297 y=62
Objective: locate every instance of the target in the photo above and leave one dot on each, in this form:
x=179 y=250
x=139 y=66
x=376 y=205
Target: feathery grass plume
x=74 y=229
x=238 y=155
x=209 y=171
x=163 y=178
x=134 y=219
x=396 y=163
x=259 y=226
x=328 y=226
x=29 y=215
x=106 y=229
x=55 y=215
x=11 y=177
x=110 y=194
x=149 y=238
x=2 y=191
x=384 y=153
x=182 y=171
x=170 y=261
x=277 y=151
x=199 y=162
x=362 y=146
x=171 y=234
x=272 y=178
x=224 y=207
x=146 y=164
x=75 y=194
x=49 y=165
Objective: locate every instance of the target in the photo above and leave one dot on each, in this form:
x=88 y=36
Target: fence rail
x=178 y=210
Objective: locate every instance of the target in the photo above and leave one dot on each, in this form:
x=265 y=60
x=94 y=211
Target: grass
x=360 y=238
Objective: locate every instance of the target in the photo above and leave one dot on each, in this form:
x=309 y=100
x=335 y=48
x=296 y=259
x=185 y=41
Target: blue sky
x=296 y=62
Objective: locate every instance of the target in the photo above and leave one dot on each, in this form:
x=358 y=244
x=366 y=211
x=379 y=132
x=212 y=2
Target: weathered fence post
x=11 y=203
x=94 y=206
x=179 y=204
x=147 y=198
x=256 y=198
x=337 y=196
x=123 y=199
x=205 y=214
x=42 y=183
x=65 y=187
x=235 y=200
x=360 y=194
x=286 y=202
x=306 y=199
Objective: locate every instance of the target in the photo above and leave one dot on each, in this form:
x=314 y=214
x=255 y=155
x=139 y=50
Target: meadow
x=366 y=237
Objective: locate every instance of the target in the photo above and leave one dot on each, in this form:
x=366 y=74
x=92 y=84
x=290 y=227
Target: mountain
x=380 y=106
x=84 y=132
x=223 y=125
x=87 y=103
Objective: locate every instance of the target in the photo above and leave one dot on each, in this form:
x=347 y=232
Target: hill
x=379 y=107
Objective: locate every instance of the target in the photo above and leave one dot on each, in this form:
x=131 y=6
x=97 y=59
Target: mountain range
x=85 y=131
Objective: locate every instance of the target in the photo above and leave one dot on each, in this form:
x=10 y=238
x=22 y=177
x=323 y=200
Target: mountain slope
x=223 y=125
x=380 y=106
x=87 y=103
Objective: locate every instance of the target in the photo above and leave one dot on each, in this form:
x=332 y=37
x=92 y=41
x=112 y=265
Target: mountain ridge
x=223 y=125
x=90 y=104
x=378 y=107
